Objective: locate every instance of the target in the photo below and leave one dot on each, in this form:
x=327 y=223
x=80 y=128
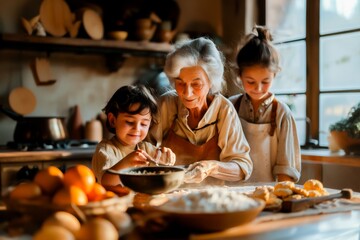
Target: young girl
x=130 y=112
x=268 y=124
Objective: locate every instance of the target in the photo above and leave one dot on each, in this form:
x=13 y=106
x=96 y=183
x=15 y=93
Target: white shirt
x=110 y=151
x=288 y=148
x=232 y=141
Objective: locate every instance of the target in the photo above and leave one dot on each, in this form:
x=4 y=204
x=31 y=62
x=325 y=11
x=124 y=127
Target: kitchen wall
x=84 y=80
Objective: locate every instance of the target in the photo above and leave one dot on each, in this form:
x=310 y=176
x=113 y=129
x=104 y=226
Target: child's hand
x=165 y=156
x=137 y=158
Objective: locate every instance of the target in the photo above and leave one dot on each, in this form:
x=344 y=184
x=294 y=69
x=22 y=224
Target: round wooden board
x=55 y=16
x=22 y=100
x=93 y=24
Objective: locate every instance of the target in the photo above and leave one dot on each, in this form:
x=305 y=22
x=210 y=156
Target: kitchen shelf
x=84 y=46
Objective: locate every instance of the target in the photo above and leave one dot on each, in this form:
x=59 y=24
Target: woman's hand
x=165 y=156
x=198 y=171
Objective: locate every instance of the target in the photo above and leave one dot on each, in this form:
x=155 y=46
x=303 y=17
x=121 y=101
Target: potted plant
x=346 y=132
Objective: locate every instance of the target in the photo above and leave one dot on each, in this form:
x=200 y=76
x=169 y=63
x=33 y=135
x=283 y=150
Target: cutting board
x=22 y=100
x=55 y=15
x=42 y=71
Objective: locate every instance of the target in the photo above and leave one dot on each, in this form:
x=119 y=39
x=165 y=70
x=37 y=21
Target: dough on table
x=313 y=184
x=284 y=184
x=261 y=192
x=301 y=191
x=283 y=192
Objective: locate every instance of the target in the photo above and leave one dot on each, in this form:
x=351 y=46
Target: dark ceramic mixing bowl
x=151 y=180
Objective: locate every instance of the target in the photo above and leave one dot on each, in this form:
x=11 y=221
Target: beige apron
x=188 y=153
x=262 y=139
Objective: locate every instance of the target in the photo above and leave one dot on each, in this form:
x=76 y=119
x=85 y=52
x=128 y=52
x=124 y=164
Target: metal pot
x=37 y=129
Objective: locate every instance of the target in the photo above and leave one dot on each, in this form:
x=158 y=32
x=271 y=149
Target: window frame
x=312 y=41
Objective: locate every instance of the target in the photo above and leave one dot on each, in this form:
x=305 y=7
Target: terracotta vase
x=76 y=126
x=93 y=130
x=145 y=29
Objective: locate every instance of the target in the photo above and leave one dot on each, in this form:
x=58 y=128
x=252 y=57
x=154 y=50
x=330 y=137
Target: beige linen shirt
x=288 y=158
x=232 y=142
x=110 y=151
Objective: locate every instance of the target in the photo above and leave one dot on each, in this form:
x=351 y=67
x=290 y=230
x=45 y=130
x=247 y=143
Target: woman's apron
x=188 y=153
x=262 y=139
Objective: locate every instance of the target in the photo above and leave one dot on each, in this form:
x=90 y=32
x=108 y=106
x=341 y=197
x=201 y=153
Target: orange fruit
x=26 y=190
x=110 y=194
x=97 y=193
x=80 y=176
x=68 y=195
x=49 y=179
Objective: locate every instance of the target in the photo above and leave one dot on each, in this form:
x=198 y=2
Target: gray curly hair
x=197 y=52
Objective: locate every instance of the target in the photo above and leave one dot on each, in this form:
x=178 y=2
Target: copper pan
x=37 y=129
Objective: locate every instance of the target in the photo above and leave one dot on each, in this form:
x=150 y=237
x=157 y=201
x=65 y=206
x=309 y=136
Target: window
x=319 y=46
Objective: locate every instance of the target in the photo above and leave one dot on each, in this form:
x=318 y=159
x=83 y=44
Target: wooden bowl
x=345 y=142
x=118 y=35
x=213 y=221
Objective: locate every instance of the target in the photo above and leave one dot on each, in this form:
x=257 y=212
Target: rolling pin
x=295 y=205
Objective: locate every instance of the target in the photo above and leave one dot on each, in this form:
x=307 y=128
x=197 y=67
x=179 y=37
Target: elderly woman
x=199 y=124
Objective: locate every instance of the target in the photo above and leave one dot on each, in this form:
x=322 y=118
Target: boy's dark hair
x=258 y=50
x=126 y=96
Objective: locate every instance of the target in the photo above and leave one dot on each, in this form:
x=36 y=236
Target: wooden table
x=309 y=224
x=344 y=225
x=340 y=225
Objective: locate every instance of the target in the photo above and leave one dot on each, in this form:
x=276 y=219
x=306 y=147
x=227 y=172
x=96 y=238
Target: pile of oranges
x=76 y=186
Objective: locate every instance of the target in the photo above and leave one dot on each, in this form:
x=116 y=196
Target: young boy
x=130 y=112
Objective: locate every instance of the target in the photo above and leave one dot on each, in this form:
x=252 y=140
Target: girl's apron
x=262 y=139
x=188 y=153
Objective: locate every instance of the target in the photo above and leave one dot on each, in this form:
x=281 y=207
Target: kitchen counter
x=12 y=161
x=7 y=156
x=334 y=169
x=327 y=157
x=308 y=155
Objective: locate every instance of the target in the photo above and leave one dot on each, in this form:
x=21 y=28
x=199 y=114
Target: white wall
x=82 y=80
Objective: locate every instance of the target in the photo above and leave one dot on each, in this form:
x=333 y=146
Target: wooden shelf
x=84 y=46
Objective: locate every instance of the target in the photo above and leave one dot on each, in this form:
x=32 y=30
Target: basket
x=40 y=210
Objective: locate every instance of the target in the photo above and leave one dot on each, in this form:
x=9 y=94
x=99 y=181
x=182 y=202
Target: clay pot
x=76 y=126
x=166 y=35
x=345 y=142
x=93 y=130
x=145 y=29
